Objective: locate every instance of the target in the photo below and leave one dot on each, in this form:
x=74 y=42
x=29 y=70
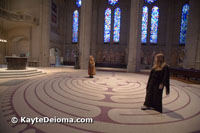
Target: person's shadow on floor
x=173 y=114
x=168 y=113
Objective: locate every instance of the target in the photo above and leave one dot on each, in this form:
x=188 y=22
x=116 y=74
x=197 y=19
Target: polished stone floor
x=112 y=99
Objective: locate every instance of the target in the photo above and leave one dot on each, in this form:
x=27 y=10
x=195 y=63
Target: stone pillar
x=192 y=59
x=94 y=28
x=135 y=36
x=197 y=64
x=40 y=35
x=85 y=33
x=170 y=29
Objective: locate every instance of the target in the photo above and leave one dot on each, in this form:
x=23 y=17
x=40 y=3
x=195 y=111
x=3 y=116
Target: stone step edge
x=22 y=76
x=24 y=73
x=19 y=71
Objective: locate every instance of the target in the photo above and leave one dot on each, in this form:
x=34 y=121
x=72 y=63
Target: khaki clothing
x=91 y=68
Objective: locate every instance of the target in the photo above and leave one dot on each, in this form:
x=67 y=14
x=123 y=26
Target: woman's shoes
x=146 y=108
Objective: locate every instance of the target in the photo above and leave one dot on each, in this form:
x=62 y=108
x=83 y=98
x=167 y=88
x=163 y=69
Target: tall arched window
x=107 y=25
x=115 y=36
x=78 y=3
x=154 y=24
x=75 y=26
x=149 y=12
x=144 y=24
x=184 y=22
x=150 y=1
x=117 y=18
x=112 y=2
x=75 y=23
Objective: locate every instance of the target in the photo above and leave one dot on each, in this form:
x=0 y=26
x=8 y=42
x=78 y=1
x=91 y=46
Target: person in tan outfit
x=91 y=67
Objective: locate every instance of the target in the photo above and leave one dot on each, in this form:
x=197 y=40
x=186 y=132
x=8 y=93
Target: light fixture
x=2 y=40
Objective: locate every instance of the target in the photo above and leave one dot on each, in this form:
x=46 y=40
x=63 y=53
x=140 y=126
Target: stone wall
x=112 y=53
x=19 y=41
x=168 y=36
x=36 y=41
x=192 y=47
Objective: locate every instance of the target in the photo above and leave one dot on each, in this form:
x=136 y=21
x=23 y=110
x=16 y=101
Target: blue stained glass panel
x=112 y=2
x=117 y=18
x=150 y=1
x=144 y=24
x=107 y=25
x=184 y=22
x=75 y=26
x=154 y=24
x=78 y=3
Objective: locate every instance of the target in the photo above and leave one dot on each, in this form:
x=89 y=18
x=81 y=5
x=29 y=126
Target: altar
x=16 y=63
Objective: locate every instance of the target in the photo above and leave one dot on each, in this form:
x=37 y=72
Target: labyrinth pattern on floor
x=112 y=99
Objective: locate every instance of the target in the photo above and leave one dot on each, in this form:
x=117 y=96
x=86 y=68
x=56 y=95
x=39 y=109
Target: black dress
x=153 y=93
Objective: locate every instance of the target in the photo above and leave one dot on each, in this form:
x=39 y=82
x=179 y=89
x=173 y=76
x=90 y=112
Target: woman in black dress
x=158 y=79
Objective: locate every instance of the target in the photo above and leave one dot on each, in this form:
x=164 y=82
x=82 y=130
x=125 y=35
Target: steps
x=29 y=72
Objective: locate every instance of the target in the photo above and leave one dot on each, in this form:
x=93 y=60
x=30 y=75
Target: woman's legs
x=148 y=104
x=91 y=76
x=158 y=100
x=149 y=98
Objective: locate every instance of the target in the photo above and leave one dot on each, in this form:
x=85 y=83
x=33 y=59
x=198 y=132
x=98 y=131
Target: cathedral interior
x=45 y=47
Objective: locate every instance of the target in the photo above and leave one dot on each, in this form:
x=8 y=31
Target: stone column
x=94 y=28
x=192 y=59
x=170 y=29
x=197 y=64
x=135 y=36
x=40 y=35
x=85 y=33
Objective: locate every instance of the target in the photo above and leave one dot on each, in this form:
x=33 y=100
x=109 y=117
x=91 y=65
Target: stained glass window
x=75 y=26
x=150 y=1
x=154 y=24
x=184 y=22
x=112 y=2
x=78 y=3
x=144 y=24
x=117 y=18
x=107 y=25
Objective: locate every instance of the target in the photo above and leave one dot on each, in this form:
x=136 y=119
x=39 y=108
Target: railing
x=18 y=17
